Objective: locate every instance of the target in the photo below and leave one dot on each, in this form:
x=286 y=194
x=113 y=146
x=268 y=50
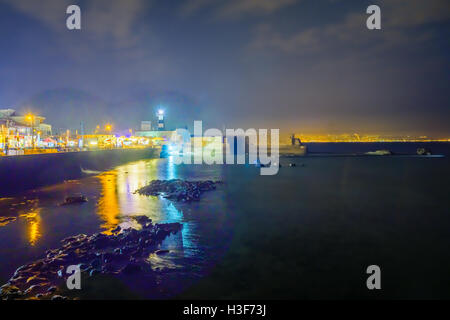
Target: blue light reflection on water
x=171 y=169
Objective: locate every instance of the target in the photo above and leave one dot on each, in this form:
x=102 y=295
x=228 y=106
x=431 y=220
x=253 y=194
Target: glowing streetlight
x=30 y=118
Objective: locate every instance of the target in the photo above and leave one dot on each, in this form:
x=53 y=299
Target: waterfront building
x=157 y=137
x=146 y=125
x=25 y=124
x=21 y=131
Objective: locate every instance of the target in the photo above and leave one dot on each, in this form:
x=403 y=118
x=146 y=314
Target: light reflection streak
x=119 y=201
x=108 y=207
x=171 y=169
x=34 y=232
x=118 y=198
x=181 y=240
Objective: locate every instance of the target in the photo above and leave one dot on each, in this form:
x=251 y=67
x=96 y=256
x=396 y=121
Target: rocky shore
x=6 y=220
x=178 y=190
x=123 y=252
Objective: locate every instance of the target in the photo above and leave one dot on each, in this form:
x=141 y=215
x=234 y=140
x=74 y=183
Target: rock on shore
x=5 y=220
x=178 y=190
x=124 y=252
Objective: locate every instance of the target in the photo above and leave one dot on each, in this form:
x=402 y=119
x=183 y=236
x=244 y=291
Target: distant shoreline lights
x=186 y=152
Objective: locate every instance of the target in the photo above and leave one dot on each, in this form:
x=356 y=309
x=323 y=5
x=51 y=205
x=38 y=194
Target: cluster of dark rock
x=124 y=252
x=293 y=164
x=178 y=190
x=423 y=152
x=74 y=200
x=5 y=220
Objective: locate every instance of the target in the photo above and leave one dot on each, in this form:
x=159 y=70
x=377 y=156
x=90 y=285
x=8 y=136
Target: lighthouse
x=161 y=125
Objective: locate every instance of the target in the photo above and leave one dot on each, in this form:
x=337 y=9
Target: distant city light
x=160 y=112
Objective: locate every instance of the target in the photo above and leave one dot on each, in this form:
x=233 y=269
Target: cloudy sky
x=299 y=65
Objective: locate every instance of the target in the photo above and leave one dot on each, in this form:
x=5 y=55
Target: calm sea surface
x=308 y=232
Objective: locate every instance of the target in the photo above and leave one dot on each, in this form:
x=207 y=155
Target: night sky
x=308 y=66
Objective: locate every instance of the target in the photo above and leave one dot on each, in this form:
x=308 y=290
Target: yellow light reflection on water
x=130 y=178
x=118 y=198
x=34 y=232
x=108 y=206
x=117 y=195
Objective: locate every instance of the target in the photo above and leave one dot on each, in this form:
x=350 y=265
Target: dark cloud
x=235 y=8
x=294 y=65
x=399 y=20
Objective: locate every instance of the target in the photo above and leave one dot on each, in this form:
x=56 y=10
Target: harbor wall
x=21 y=173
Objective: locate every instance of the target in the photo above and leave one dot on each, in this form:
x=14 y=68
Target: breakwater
x=21 y=173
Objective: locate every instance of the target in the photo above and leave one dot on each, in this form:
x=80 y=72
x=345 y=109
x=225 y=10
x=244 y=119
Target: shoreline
x=123 y=253
x=34 y=171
